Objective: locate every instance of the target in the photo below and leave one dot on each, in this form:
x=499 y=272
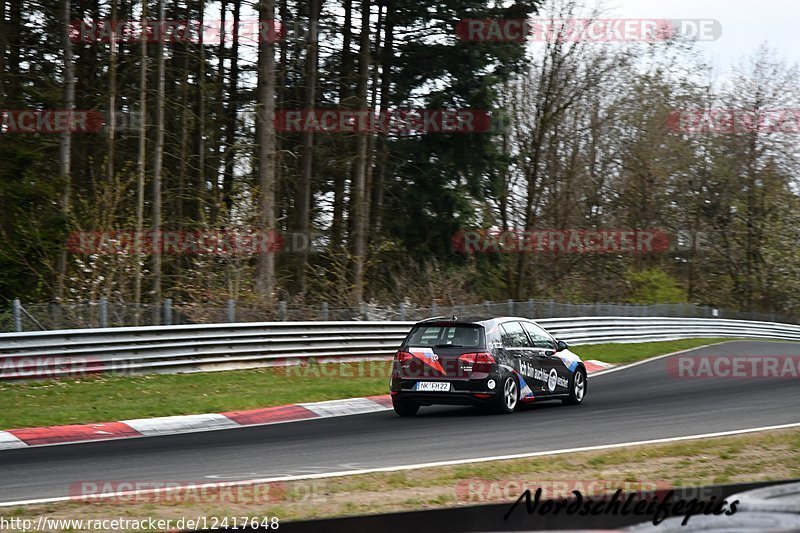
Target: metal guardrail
x=192 y=348
x=104 y=313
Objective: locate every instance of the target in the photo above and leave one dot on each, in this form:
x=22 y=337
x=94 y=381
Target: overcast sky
x=745 y=24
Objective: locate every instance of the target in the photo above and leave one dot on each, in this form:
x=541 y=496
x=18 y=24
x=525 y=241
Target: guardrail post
x=362 y=310
x=231 y=310
x=282 y=311
x=510 y=307
x=402 y=309
x=16 y=311
x=324 y=310
x=103 y=313
x=167 y=314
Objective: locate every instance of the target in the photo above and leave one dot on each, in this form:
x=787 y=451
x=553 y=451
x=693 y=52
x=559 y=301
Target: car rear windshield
x=455 y=335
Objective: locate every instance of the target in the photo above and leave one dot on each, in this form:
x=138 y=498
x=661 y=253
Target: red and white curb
x=593 y=366
x=173 y=425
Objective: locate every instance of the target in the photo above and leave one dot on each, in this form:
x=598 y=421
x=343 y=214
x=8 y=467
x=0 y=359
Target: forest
x=336 y=150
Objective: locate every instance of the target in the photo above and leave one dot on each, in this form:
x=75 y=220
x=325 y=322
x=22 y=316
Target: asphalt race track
x=638 y=403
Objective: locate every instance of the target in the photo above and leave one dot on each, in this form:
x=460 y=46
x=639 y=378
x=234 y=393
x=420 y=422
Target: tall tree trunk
x=265 y=272
x=304 y=198
x=184 y=138
x=112 y=96
x=218 y=139
x=357 y=202
x=387 y=55
x=65 y=140
x=13 y=83
x=158 y=162
x=371 y=105
x=280 y=88
x=339 y=178
x=141 y=164
x=283 y=94
x=201 y=122
x=233 y=95
x=3 y=47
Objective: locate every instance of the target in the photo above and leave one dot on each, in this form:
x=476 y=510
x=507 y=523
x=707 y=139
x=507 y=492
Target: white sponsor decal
x=552 y=380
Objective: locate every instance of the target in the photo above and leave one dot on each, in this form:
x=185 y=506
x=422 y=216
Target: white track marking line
x=655 y=358
x=417 y=466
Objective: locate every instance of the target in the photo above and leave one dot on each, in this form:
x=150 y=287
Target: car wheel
x=405 y=407
x=509 y=395
x=577 y=389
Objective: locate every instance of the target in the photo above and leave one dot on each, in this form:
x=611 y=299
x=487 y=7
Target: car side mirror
x=561 y=346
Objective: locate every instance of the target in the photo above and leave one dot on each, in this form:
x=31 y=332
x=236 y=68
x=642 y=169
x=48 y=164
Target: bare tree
x=141 y=164
x=345 y=92
x=112 y=95
x=158 y=160
x=265 y=131
x=386 y=60
x=233 y=99
x=358 y=237
x=65 y=140
x=304 y=196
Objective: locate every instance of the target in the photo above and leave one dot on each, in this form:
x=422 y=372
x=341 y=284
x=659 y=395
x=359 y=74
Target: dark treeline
x=579 y=139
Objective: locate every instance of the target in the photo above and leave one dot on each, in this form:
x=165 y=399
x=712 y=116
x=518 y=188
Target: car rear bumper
x=448 y=398
x=462 y=392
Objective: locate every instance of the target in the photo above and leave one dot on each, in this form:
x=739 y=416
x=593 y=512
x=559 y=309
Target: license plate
x=433 y=386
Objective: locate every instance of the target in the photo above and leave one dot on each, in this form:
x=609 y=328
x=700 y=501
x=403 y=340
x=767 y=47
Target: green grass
x=108 y=398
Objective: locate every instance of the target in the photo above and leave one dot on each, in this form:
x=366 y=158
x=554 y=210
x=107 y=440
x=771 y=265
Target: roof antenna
x=455 y=318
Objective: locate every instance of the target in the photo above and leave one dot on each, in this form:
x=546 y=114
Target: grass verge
x=110 y=398
x=745 y=458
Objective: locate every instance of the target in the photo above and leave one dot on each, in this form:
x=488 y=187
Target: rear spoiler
x=452 y=318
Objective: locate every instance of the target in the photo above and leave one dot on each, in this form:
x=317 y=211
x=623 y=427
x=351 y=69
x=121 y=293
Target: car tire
x=508 y=399
x=577 y=387
x=405 y=407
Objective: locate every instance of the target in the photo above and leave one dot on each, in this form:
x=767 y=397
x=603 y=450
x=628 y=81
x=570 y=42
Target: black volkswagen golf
x=500 y=363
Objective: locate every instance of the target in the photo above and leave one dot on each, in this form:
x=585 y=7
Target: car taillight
x=402 y=357
x=480 y=362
